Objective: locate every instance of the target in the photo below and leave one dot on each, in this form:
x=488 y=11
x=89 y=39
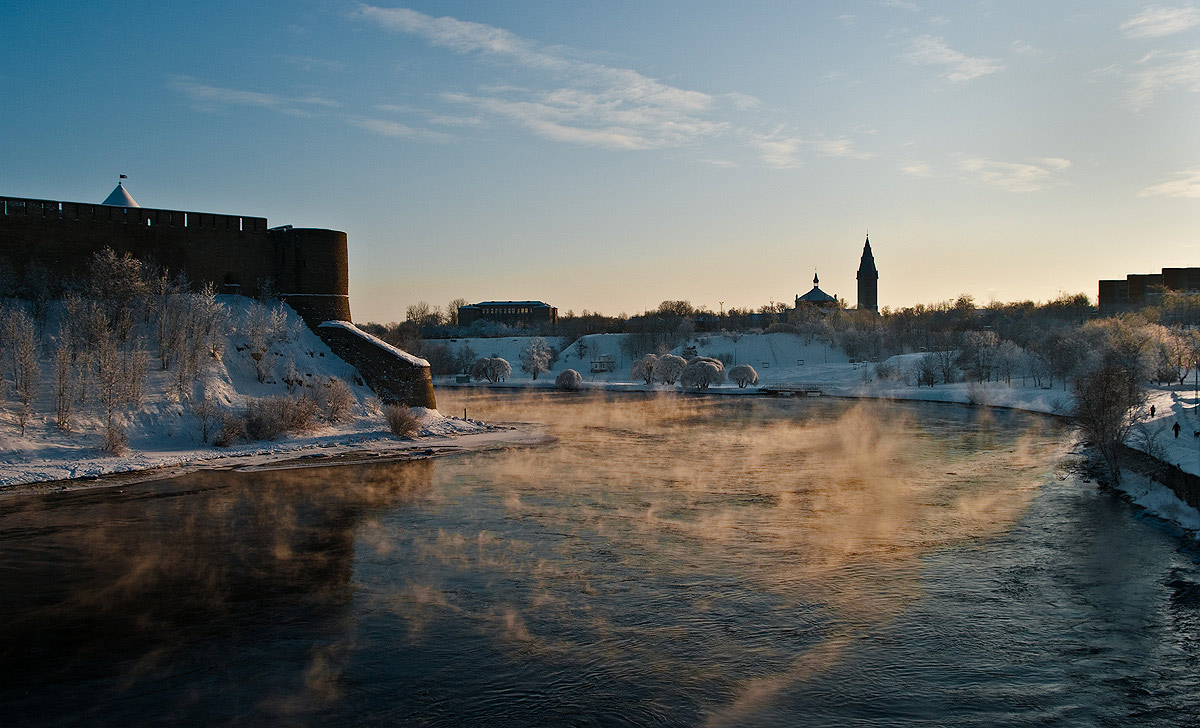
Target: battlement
x=141 y=216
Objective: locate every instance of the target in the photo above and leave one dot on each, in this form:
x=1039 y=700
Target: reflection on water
x=670 y=560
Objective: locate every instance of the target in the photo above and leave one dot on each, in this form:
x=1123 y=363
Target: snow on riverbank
x=166 y=434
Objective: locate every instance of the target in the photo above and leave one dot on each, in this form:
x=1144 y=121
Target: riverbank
x=56 y=470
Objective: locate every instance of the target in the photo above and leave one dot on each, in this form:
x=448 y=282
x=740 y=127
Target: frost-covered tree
x=668 y=368
x=643 y=368
x=743 y=374
x=701 y=374
x=720 y=365
x=569 y=380
x=21 y=340
x=493 y=369
x=536 y=357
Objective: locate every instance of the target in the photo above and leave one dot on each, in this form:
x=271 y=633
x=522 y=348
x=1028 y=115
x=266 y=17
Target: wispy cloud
x=1022 y=48
x=583 y=103
x=1156 y=21
x=1015 y=177
x=785 y=151
x=385 y=127
x=1161 y=72
x=917 y=169
x=1185 y=184
x=308 y=63
x=901 y=4
x=209 y=98
x=927 y=50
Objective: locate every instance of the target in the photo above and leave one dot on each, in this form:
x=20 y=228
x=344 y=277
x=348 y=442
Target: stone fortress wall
x=307 y=267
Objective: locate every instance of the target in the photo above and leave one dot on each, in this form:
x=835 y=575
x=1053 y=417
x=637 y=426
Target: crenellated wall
x=306 y=267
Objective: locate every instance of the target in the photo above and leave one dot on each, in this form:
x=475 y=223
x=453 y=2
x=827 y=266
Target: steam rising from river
x=686 y=538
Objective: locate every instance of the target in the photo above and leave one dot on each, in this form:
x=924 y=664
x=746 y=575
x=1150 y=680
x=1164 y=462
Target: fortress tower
x=868 y=280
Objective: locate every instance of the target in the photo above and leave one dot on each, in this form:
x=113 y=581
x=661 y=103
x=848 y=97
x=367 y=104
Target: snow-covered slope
x=164 y=429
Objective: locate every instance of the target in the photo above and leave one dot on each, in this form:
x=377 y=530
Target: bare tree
x=1108 y=402
x=20 y=337
x=64 y=386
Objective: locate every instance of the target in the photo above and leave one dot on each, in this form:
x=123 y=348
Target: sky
x=607 y=156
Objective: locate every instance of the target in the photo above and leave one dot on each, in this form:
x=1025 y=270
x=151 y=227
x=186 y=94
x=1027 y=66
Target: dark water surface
x=669 y=561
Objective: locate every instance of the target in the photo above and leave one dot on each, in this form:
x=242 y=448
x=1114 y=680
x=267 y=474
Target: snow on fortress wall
x=308 y=267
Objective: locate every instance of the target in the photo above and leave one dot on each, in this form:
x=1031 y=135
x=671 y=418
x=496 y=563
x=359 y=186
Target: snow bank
x=164 y=430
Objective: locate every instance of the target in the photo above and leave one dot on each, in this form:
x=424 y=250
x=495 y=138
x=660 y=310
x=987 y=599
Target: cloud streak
x=957 y=66
x=1185 y=184
x=1163 y=72
x=208 y=98
x=586 y=103
x=1156 y=21
x=1015 y=177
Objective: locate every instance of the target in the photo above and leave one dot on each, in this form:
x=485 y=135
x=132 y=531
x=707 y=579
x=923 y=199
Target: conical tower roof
x=867 y=263
x=120 y=198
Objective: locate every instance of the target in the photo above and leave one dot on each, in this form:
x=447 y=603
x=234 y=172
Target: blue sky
x=610 y=155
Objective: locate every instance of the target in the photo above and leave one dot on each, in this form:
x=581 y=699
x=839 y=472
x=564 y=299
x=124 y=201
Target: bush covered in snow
x=701 y=374
x=494 y=369
x=668 y=368
x=569 y=380
x=643 y=368
x=743 y=374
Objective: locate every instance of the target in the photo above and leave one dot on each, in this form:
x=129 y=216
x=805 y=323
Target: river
x=671 y=560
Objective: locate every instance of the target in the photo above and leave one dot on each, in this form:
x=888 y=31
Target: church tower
x=868 y=280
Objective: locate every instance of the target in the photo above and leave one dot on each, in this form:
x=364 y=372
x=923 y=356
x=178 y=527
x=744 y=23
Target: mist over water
x=670 y=560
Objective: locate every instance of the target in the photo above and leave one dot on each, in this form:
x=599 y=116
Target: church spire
x=868 y=279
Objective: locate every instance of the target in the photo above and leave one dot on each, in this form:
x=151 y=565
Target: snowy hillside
x=167 y=421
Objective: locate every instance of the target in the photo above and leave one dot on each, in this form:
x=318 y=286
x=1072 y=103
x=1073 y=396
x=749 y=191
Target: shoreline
x=330 y=454
x=358 y=447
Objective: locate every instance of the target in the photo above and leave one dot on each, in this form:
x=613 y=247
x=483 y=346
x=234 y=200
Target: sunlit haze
x=608 y=156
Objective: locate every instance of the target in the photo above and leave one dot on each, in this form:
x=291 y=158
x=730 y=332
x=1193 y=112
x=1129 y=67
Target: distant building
x=868 y=281
x=509 y=313
x=816 y=298
x=868 y=288
x=1145 y=289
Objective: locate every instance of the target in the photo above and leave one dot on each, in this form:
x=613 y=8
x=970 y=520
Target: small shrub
x=233 y=429
x=336 y=399
x=115 y=439
x=401 y=421
x=570 y=380
x=977 y=396
x=270 y=417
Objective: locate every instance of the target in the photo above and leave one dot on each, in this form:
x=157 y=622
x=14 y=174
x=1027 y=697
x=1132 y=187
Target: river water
x=667 y=561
